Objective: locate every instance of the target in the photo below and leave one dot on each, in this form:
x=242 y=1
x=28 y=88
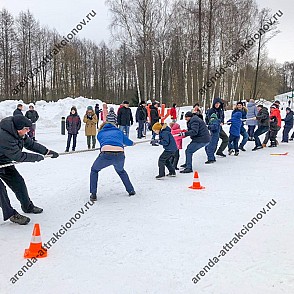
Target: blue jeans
x=191 y=149
x=260 y=130
x=233 y=142
x=104 y=160
x=211 y=147
x=286 y=132
x=125 y=130
x=245 y=136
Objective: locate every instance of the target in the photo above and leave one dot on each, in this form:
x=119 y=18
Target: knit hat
x=157 y=127
x=21 y=122
x=126 y=102
x=89 y=108
x=31 y=105
x=274 y=106
x=288 y=108
x=189 y=114
x=111 y=109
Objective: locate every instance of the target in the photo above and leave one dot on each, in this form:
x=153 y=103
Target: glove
x=154 y=141
x=53 y=153
x=39 y=157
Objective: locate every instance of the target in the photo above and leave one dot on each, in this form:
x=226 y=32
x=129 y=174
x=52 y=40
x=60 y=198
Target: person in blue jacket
x=168 y=142
x=112 y=142
x=240 y=107
x=235 y=130
x=214 y=128
x=218 y=109
x=288 y=125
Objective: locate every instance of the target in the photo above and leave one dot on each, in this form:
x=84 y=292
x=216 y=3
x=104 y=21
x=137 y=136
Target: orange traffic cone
x=36 y=250
x=196 y=183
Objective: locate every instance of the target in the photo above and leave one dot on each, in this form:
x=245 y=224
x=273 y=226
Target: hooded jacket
x=289 y=120
x=252 y=112
x=197 y=130
x=11 y=144
x=111 y=135
x=276 y=112
x=175 y=131
x=167 y=140
x=263 y=117
x=218 y=111
x=73 y=123
x=236 y=123
x=32 y=115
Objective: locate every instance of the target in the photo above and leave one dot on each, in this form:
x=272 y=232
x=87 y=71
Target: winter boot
x=33 y=209
x=236 y=153
x=186 y=171
x=159 y=177
x=93 y=197
x=242 y=148
x=19 y=219
x=231 y=151
x=171 y=174
x=221 y=154
x=210 y=161
x=183 y=165
x=132 y=193
x=273 y=144
x=89 y=147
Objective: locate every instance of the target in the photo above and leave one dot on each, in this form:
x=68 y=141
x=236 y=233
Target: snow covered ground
x=158 y=240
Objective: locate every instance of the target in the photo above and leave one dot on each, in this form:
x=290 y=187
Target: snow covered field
x=158 y=240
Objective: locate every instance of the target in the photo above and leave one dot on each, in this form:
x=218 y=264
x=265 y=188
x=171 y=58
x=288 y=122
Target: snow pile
x=50 y=112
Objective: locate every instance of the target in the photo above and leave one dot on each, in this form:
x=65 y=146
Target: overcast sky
x=66 y=14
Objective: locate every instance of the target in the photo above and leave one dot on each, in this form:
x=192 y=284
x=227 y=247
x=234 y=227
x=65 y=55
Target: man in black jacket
x=154 y=118
x=218 y=109
x=33 y=116
x=263 y=120
x=141 y=117
x=200 y=136
x=18 y=110
x=125 y=118
x=13 y=137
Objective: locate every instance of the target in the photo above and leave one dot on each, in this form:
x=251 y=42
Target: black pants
x=174 y=160
x=74 y=144
x=16 y=183
x=164 y=161
x=225 y=140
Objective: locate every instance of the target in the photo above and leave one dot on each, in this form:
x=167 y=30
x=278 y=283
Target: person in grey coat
x=251 y=123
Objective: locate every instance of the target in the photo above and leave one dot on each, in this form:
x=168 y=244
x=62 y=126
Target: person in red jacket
x=276 y=124
x=173 y=113
x=176 y=131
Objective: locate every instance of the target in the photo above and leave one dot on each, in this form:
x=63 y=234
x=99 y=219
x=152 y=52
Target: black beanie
x=189 y=114
x=21 y=122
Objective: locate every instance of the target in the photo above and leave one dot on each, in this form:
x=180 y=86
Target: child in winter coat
x=288 y=125
x=90 y=119
x=73 y=125
x=214 y=128
x=235 y=130
x=176 y=131
x=168 y=142
x=111 y=116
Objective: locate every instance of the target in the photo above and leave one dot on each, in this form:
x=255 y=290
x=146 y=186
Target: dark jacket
x=289 y=120
x=167 y=140
x=17 y=112
x=73 y=124
x=197 y=130
x=11 y=144
x=263 y=117
x=218 y=111
x=154 y=115
x=124 y=117
x=236 y=123
x=32 y=115
x=141 y=113
x=97 y=110
x=111 y=135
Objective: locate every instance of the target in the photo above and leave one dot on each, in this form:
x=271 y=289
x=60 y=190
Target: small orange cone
x=196 y=183
x=36 y=250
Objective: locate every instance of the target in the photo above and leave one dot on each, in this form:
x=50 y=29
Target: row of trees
x=164 y=50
